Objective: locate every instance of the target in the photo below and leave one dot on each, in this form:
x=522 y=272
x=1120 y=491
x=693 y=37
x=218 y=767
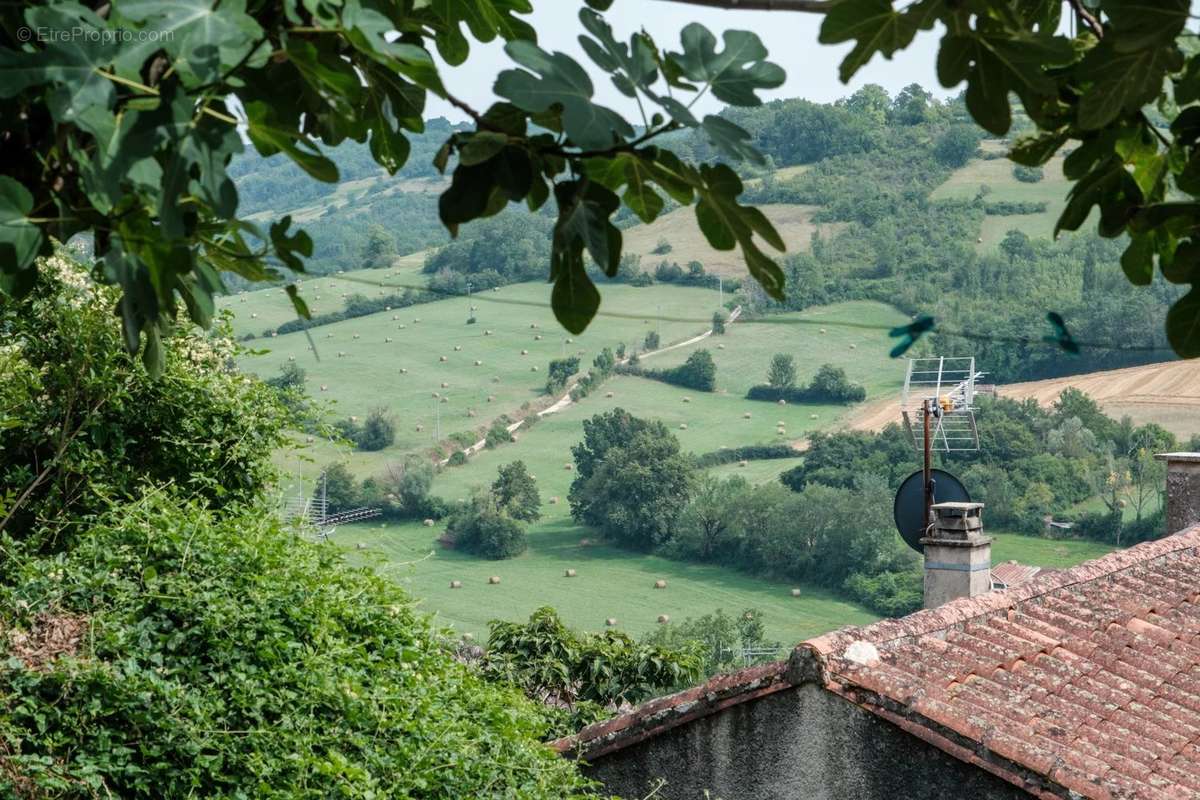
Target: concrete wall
x=801 y=743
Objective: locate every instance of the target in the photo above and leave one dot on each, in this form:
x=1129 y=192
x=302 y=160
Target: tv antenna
x=938 y=408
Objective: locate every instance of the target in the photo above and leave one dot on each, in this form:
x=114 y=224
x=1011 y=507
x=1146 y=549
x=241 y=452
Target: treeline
x=1032 y=463
x=698 y=372
x=634 y=485
x=357 y=305
x=829 y=385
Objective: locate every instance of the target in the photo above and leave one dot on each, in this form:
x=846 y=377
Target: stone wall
x=800 y=742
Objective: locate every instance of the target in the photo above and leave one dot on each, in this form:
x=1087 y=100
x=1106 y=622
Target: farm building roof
x=1010 y=574
x=1086 y=679
x=1083 y=682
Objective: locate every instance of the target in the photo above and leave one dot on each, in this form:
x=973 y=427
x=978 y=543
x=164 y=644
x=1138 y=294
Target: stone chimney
x=1183 y=490
x=958 y=557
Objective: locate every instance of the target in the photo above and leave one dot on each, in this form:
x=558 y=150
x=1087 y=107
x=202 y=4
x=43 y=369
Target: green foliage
x=196 y=625
x=718 y=323
x=380 y=248
x=401 y=490
x=497 y=433
x=957 y=145
x=555 y=665
x=560 y=371
x=83 y=425
x=516 y=492
x=781 y=375
x=631 y=480
x=377 y=432
x=651 y=342
x=339 y=488
x=485 y=529
x=662 y=247
x=752 y=452
x=1027 y=174
x=698 y=372
x=163 y=210
x=829 y=385
x=723 y=639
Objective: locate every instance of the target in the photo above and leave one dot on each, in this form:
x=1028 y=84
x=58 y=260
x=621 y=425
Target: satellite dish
x=909 y=508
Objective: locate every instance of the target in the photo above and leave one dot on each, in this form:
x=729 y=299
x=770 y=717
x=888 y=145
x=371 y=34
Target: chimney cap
x=1193 y=457
x=957 y=506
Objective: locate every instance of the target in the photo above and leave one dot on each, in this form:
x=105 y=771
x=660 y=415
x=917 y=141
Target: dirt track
x=1166 y=393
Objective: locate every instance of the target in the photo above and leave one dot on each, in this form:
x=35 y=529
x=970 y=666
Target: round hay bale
x=533 y=368
x=353 y=418
x=487 y=333
x=822 y=330
x=420 y=428
x=445 y=385
x=355 y=336
x=780 y=424
x=468 y=637
x=795 y=592
x=491 y=398
x=310 y=439
x=683 y=426
x=568 y=466
x=569 y=573
x=585 y=542
x=360 y=546
x=445 y=400
x=455 y=584
x=533 y=325
x=443 y=359
x=402 y=327
x=403 y=371
x=274 y=334
x=254 y=316
x=428 y=523
x=495 y=579
x=341 y=353
x=743 y=463
x=457 y=347
x=418 y=319
x=324 y=388
x=524 y=352
x=474 y=308
x=746 y=415
x=570 y=341
x=853 y=347
x=387 y=339
x=720 y=347
x=537 y=337
x=554 y=500
x=812 y=416
x=611 y=621
x=495 y=379
x=436 y=395
x=291 y=358
x=470 y=412
x=979 y=240
x=387 y=308
x=478 y=363
x=329 y=336
x=608 y=394
x=660 y=584
x=663 y=619
x=782 y=402
x=495 y=288
x=687 y=399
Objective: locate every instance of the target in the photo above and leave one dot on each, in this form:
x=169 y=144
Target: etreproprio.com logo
x=82 y=33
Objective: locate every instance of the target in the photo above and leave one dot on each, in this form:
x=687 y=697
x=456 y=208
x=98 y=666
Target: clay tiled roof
x=1083 y=681
x=1010 y=574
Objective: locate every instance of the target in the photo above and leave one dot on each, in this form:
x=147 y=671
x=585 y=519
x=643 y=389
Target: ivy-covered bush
x=179 y=652
x=82 y=424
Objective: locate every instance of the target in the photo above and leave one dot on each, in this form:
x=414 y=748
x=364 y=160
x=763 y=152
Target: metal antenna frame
x=944 y=389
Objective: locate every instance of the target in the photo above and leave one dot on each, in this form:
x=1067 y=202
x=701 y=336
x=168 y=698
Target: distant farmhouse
x=1078 y=683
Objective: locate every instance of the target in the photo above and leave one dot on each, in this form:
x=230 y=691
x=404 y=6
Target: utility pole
x=658 y=326
x=437 y=415
x=721 y=289
x=926 y=412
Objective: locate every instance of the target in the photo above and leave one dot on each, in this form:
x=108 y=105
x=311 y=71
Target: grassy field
x=266 y=309
x=1052 y=553
x=609 y=583
x=997 y=175
x=679 y=229
x=369 y=374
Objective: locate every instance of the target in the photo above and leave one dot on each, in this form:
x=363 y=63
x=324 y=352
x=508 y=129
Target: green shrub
x=483 y=528
x=699 y=372
x=457 y=458
x=223 y=657
x=1027 y=174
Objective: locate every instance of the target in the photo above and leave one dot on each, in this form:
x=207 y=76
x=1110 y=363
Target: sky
x=791 y=39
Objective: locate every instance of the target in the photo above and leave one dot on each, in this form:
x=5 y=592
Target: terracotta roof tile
x=1087 y=677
